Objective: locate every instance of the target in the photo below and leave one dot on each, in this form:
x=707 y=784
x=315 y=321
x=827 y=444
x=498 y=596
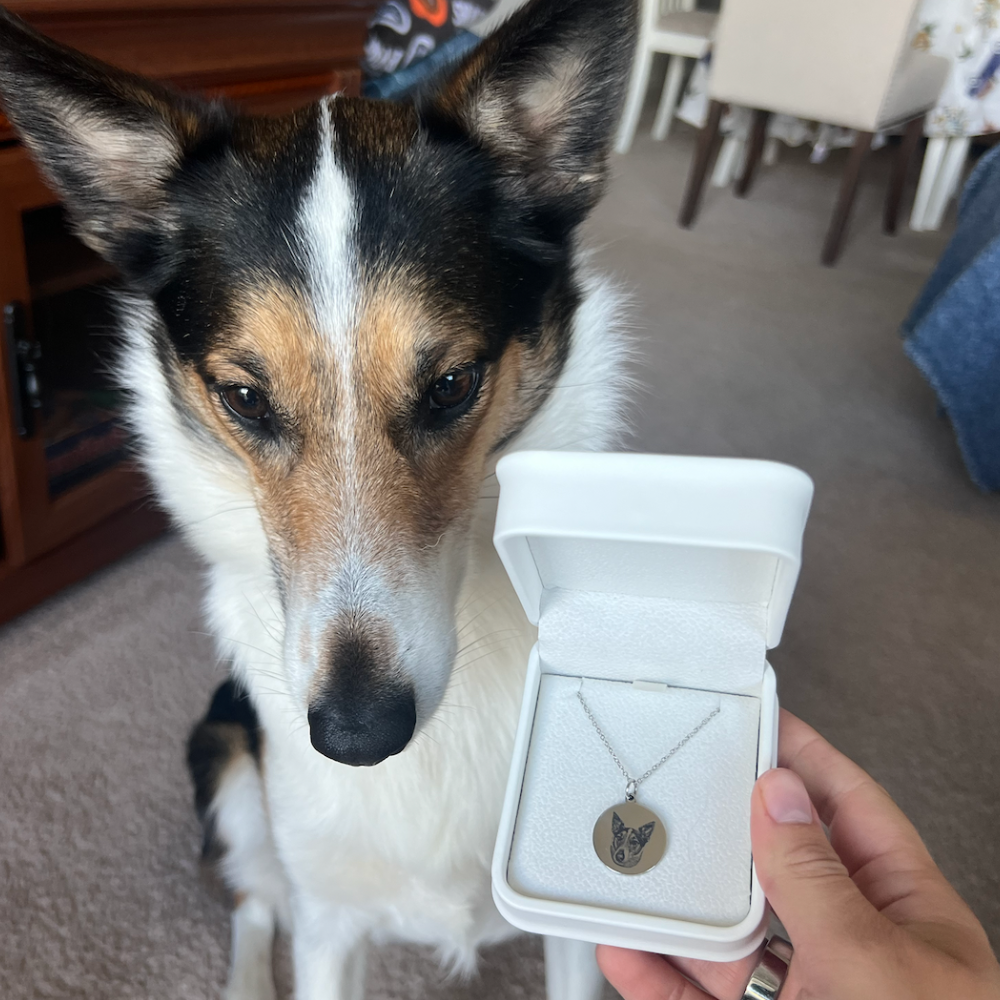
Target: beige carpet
x=749 y=348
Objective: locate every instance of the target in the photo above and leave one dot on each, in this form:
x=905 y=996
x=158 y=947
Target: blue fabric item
x=953 y=331
x=404 y=82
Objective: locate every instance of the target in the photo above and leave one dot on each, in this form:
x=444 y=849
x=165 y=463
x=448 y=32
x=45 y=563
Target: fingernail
x=785 y=797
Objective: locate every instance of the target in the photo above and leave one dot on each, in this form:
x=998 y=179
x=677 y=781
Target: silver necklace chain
x=631 y=784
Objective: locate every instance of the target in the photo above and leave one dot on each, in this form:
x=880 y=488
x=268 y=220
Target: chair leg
x=963 y=142
x=638 y=83
x=900 y=168
x=845 y=201
x=947 y=182
x=933 y=158
x=727 y=162
x=755 y=147
x=669 y=98
x=571 y=971
x=707 y=142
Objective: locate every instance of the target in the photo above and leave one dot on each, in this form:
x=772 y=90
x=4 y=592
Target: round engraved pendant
x=629 y=838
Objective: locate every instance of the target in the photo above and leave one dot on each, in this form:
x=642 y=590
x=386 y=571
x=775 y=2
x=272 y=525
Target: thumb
x=802 y=877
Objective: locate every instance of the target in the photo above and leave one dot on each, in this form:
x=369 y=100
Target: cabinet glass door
x=78 y=409
x=68 y=445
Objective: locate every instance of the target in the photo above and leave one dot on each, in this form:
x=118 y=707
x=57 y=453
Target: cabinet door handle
x=24 y=354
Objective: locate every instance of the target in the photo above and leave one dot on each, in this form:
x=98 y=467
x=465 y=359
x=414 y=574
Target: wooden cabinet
x=70 y=498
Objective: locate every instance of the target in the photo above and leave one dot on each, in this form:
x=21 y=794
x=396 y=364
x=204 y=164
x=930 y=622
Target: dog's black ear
x=644 y=832
x=543 y=95
x=617 y=826
x=106 y=140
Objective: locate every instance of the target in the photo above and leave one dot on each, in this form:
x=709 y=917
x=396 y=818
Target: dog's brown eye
x=246 y=402
x=453 y=389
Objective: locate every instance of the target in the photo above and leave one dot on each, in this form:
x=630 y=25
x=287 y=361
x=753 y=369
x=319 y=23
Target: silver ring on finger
x=769 y=976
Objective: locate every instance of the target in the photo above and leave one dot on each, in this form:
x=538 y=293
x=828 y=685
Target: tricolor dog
x=333 y=324
x=627 y=842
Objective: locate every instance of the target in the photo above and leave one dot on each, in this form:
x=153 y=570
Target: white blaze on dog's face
x=355 y=307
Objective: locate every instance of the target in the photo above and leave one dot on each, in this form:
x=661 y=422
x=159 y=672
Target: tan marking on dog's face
x=298 y=472
x=440 y=472
x=394 y=488
x=446 y=468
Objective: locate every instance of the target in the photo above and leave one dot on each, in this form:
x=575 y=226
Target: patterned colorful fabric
x=966 y=32
x=404 y=31
x=402 y=84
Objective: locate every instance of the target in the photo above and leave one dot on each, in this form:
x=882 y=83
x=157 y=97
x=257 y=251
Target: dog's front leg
x=329 y=946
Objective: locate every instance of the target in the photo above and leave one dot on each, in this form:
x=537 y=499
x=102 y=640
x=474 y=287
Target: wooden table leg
x=845 y=201
x=707 y=142
x=900 y=168
x=755 y=147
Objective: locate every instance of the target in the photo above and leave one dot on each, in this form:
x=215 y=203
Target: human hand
x=869 y=914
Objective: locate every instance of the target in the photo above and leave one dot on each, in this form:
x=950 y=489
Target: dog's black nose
x=362 y=729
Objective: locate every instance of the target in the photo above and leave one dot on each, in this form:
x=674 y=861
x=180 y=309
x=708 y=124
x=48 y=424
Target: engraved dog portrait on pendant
x=627 y=845
x=629 y=838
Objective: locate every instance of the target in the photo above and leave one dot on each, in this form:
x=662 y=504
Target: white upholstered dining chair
x=673 y=27
x=844 y=62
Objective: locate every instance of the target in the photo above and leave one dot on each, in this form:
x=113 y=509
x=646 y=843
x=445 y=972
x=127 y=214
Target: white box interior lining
x=647 y=568
x=697 y=644
x=702 y=795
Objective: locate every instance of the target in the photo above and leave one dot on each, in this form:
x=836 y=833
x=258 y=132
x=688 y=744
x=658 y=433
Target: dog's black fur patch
x=229 y=729
x=235 y=202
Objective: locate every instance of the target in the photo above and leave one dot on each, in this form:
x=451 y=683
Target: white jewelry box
x=657 y=583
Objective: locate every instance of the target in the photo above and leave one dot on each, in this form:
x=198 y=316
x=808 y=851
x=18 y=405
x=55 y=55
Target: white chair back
x=847 y=62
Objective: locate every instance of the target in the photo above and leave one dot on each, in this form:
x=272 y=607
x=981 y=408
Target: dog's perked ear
x=543 y=95
x=643 y=833
x=106 y=140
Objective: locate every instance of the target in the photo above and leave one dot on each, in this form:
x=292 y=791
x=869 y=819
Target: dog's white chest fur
x=405 y=846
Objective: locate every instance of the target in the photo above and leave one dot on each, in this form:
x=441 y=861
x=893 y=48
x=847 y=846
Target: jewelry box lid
x=699 y=529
